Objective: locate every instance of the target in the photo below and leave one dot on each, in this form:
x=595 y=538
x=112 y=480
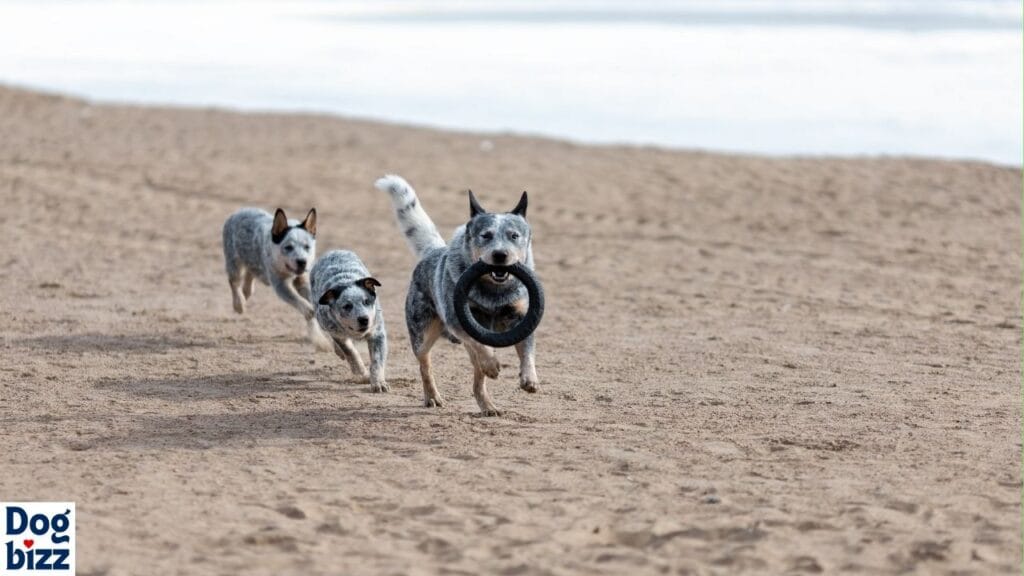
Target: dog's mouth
x=499 y=277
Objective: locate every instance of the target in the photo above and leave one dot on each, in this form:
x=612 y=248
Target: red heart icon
x=29 y=543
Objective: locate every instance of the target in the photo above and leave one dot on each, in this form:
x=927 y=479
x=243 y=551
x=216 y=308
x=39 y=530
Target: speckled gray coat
x=496 y=300
x=277 y=252
x=347 y=309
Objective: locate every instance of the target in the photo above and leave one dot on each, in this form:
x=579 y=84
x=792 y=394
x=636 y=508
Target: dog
x=278 y=252
x=348 y=309
x=498 y=300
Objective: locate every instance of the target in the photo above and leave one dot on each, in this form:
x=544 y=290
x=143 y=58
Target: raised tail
x=418 y=228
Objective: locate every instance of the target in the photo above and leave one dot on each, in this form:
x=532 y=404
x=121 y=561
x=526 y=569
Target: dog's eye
x=513 y=236
x=487 y=235
x=347 y=307
x=366 y=302
x=287 y=248
x=306 y=247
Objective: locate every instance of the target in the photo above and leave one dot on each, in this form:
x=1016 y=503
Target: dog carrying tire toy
x=522 y=329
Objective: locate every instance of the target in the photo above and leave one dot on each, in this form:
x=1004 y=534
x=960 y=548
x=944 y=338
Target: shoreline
x=484 y=134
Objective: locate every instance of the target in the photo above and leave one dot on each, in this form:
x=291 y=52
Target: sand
x=748 y=365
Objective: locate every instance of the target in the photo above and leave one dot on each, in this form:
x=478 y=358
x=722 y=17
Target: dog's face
x=353 y=305
x=294 y=243
x=498 y=239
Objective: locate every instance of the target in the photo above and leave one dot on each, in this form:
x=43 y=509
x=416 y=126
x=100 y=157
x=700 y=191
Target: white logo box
x=37 y=538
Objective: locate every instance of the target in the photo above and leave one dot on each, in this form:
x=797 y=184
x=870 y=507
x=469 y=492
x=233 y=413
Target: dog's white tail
x=418 y=228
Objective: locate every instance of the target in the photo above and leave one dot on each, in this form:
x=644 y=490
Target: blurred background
x=920 y=77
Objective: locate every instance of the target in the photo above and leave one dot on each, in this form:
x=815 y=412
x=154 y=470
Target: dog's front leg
x=301 y=284
x=527 y=369
x=482 y=356
x=344 y=349
x=378 y=345
x=483 y=399
x=314 y=333
x=285 y=290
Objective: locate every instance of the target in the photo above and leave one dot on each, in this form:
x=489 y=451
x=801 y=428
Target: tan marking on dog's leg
x=521 y=306
x=483 y=356
x=247 y=281
x=431 y=397
x=237 y=302
x=527 y=369
x=483 y=399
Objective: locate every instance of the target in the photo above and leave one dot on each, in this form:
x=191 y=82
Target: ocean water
x=900 y=77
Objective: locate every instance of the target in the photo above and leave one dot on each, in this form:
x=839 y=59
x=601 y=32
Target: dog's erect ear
x=520 y=209
x=330 y=296
x=309 y=224
x=475 y=208
x=369 y=284
x=280 y=228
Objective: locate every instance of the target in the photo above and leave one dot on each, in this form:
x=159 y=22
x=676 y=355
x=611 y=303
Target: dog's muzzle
x=500 y=276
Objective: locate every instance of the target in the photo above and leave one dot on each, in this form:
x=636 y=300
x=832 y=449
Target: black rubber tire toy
x=517 y=333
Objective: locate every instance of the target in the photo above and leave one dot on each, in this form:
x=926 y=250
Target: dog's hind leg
x=527 y=369
x=236 y=280
x=422 y=342
x=247 y=280
x=344 y=348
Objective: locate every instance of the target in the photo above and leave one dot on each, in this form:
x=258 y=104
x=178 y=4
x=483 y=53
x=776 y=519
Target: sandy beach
x=747 y=364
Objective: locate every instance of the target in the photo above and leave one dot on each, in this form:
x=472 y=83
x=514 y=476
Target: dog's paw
x=490 y=412
x=530 y=386
x=434 y=402
x=379 y=387
x=239 y=306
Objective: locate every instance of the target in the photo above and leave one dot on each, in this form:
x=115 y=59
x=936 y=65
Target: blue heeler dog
x=277 y=251
x=498 y=300
x=347 y=308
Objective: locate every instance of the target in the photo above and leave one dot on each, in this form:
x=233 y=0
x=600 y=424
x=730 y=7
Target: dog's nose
x=301 y=264
x=499 y=256
x=364 y=321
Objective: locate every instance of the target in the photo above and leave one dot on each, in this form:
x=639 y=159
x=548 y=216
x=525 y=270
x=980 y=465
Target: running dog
x=347 y=308
x=498 y=300
x=277 y=251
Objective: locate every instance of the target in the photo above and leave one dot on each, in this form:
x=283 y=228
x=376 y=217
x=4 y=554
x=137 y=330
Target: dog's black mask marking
x=369 y=284
x=278 y=238
x=279 y=229
x=330 y=296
